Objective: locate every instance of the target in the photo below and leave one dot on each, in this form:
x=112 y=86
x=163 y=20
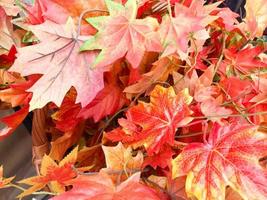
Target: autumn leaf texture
x=136 y=99
x=121 y=34
x=52 y=174
x=56 y=63
x=154 y=124
x=230 y=157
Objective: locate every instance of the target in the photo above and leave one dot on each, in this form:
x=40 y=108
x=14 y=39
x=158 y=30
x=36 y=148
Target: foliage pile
x=147 y=99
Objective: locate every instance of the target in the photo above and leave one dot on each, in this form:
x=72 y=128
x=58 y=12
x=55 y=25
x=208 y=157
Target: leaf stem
x=45 y=193
x=178 y=143
x=115 y=115
x=109 y=121
x=189 y=135
x=16 y=186
x=234 y=104
x=34 y=193
x=169 y=9
x=221 y=56
x=233 y=115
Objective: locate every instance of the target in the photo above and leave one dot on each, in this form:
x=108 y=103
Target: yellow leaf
x=121 y=158
x=70 y=158
x=47 y=163
x=4 y=181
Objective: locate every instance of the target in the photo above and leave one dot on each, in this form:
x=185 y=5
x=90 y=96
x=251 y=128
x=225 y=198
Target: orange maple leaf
x=153 y=124
x=120 y=159
x=52 y=174
x=4 y=181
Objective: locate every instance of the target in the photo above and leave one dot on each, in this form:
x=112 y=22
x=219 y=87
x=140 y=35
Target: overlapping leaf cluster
x=148 y=99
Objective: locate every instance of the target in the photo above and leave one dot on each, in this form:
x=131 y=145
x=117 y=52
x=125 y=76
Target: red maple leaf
x=246 y=59
x=230 y=157
x=154 y=124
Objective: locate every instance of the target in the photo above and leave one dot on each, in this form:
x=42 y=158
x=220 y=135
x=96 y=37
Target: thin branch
x=16 y=186
x=109 y=121
x=235 y=105
x=234 y=115
x=115 y=115
x=221 y=56
x=44 y=193
x=34 y=193
x=195 y=48
x=189 y=135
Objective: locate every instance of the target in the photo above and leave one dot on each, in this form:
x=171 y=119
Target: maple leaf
x=71 y=126
x=119 y=158
x=57 y=57
x=121 y=34
x=109 y=100
x=176 y=31
x=154 y=124
x=176 y=187
x=4 y=181
x=52 y=174
x=246 y=59
x=202 y=87
x=101 y=187
x=159 y=180
x=230 y=157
